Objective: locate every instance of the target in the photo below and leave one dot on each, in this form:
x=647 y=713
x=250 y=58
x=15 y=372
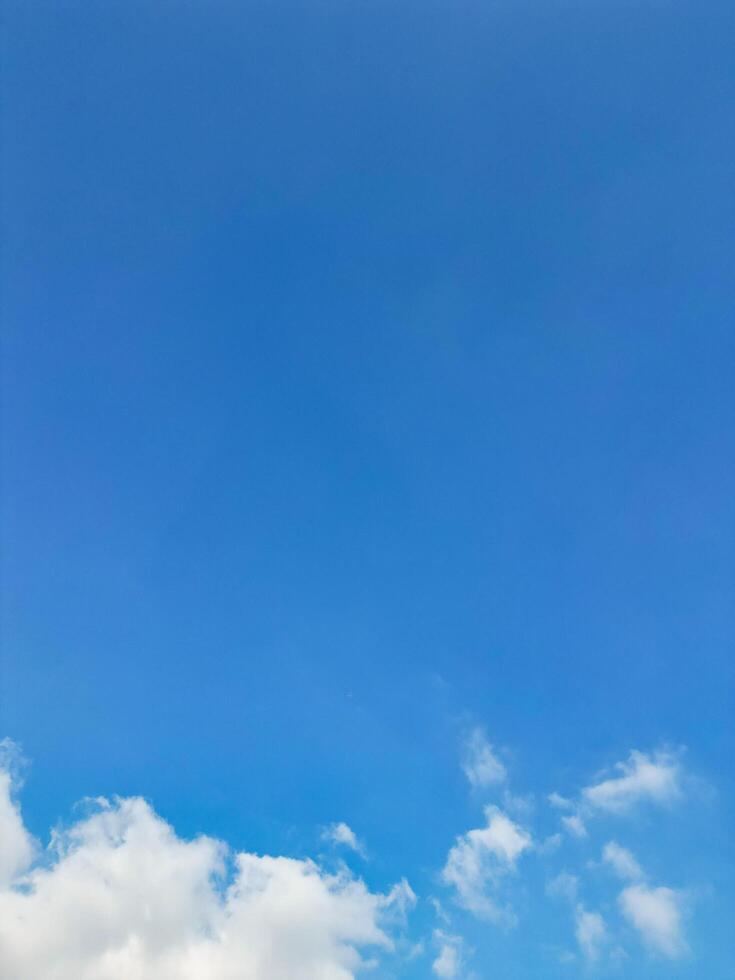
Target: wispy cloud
x=590 y=931
x=643 y=778
x=656 y=779
x=342 y=834
x=574 y=825
x=119 y=893
x=559 y=802
x=621 y=861
x=480 y=859
x=450 y=957
x=653 y=778
x=480 y=764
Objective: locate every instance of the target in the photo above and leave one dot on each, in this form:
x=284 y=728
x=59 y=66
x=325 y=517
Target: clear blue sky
x=368 y=377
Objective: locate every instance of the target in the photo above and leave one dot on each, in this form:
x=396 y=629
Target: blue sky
x=367 y=404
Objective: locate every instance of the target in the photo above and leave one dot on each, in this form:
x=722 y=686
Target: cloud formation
x=574 y=825
x=652 y=778
x=120 y=896
x=590 y=931
x=559 y=802
x=480 y=859
x=657 y=915
x=621 y=861
x=16 y=844
x=643 y=778
x=480 y=764
x=342 y=834
x=449 y=961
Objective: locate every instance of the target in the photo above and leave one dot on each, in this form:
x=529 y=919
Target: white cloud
x=657 y=915
x=480 y=858
x=621 y=861
x=17 y=847
x=590 y=931
x=559 y=802
x=480 y=764
x=574 y=825
x=643 y=777
x=399 y=901
x=439 y=910
x=449 y=960
x=342 y=833
x=121 y=897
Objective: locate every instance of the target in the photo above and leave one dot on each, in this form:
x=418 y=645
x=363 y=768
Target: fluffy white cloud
x=16 y=844
x=591 y=932
x=655 y=778
x=657 y=915
x=120 y=897
x=621 y=861
x=643 y=777
x=480 y=859
x=480 y=764
x=342 y=833
x=449 y=960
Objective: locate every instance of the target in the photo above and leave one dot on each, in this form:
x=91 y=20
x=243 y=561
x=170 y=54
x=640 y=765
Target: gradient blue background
x=368 y=371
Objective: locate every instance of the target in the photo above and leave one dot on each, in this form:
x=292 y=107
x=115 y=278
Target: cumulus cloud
x=480 y=764
x=119 y=896
x=17 y=847
x=590 y=931
x=655 y=778
x=343 y=834
x=480 y=859
x=657 y=915
x=449 y=961
x=621 y=861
